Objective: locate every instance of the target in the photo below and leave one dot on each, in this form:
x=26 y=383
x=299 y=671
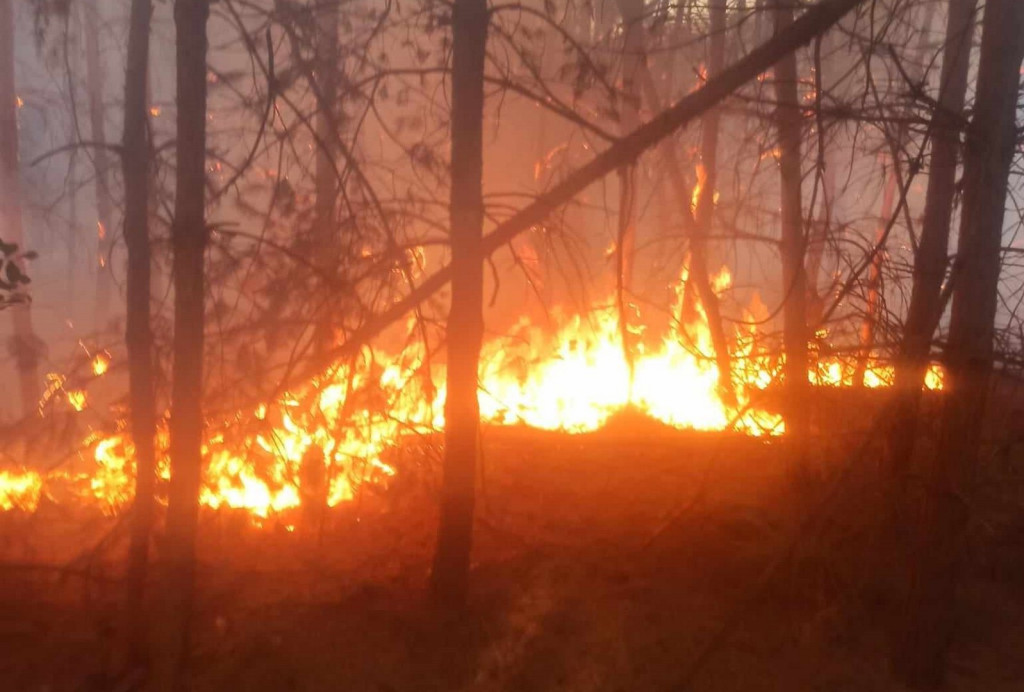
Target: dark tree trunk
x=326 y=74
x=25 y=345
x=930 y=262
x=325 y=226
x=921 y=657
x=135 y=165
x=101 y=163
x=450 y=578
x=186 y=427
x=794 y=281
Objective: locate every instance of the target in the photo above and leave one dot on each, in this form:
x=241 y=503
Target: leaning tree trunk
x=186 y=427
x=794 y=281
x=450 y=578
x=25 y=345
x=930 y=261
x=989 y=148
x=101 y=163
x=135 y=164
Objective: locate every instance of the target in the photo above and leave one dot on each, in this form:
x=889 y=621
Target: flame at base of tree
x=573 y=378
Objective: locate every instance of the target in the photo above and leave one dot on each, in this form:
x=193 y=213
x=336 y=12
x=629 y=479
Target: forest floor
x=634 y=558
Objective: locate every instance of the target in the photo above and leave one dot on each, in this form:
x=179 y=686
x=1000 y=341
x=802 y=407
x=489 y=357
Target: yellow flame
x=77 y=399
x=20 y=490
x=322 y=441
x=100 y=363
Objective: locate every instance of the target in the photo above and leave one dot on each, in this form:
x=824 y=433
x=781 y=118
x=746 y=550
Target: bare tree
x=989 y=148
x=94 y=71
x=325 y=226
x=930 y=259
x=24 y=345
x=793 y=246
x=135 y=163
x=706 y=203
x=450 y=577
x=625 y=253
x=813 y=22
x=189 y=235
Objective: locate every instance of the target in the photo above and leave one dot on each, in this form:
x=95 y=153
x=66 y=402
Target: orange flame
x=349 y=417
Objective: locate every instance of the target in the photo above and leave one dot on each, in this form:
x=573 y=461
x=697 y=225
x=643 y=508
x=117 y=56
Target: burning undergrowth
x=324 y=441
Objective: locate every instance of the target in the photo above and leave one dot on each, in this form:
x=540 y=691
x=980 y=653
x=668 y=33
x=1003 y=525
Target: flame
x=702 y=178
x=321 y=442
x=77 y=399
x=20 y=490
x=100 y=363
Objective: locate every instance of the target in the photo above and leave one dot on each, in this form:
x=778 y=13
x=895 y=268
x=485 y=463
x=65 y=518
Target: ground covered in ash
x=634 y=558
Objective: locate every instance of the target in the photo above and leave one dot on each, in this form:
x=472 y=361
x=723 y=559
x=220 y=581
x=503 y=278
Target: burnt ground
x=633 y=558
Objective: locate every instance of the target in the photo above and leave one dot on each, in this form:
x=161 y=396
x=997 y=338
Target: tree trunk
x=326 y=124
x=450 y=578
x=892 y=182
x=632 y=64
x=699 y=280
x=930 y=624
x=871 y=311
x=794 y=281
x=930 y=262
x=325 y=229
x=818 y=240
x=101 y=163
x=186 y=427
x=135 y=165
x=699 y=270
x=25 y=345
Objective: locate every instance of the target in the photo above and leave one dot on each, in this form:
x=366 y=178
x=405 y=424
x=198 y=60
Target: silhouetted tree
x=793 y=247
x=136 y=165
x=94 y=72
x=931 y=257
x=989 y=147
x=465 y=319
x=24 y=344
x=189 y=236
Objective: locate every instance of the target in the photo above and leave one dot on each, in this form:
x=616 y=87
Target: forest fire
x=572 y=379
x=472 y=345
